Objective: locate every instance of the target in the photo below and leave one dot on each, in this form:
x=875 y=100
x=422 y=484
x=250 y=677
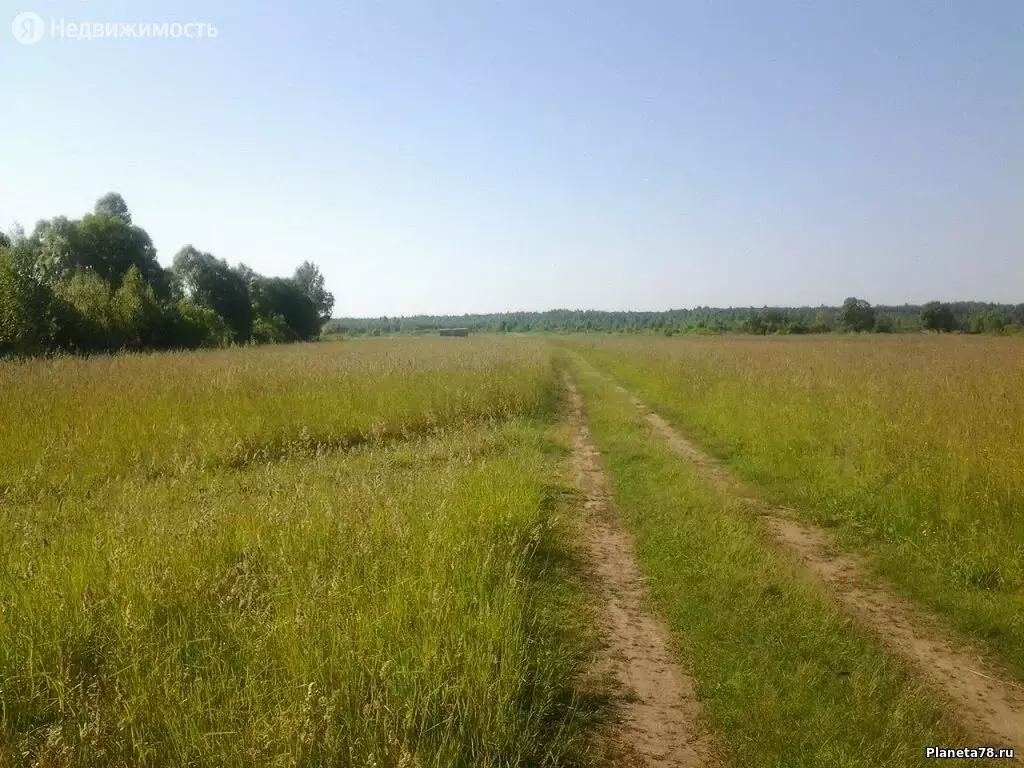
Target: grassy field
x=194 y=574
x=71 y=422
x=782 y=675
x=912 y=447
x=363 y=553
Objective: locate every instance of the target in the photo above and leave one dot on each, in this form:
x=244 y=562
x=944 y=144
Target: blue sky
x=489 y=155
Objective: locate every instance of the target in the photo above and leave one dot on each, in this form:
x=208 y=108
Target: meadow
x=781 y=674
x=910 y=447
x=367 y=553
x=77 y=422
x=343 y=554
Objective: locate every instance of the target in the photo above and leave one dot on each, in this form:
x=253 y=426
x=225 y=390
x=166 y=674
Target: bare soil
x=986 y=702
x=656 y=708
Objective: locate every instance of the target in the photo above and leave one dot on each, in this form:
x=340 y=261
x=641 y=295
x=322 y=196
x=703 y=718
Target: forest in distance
x=853 y=316
x=95 y=285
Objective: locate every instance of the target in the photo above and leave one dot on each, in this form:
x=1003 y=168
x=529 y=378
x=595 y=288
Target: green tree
x=275 y=297
x=775 y=320
x=754 y=323
x=51 y=253
x=990 y=321
x=108 y=245
x=194 y=325
x=26 y=319
x=309 y=279
x=271 y=330
x=936 y=316
x=856 y=315
x=104 y=242
x=995 y=321
x=210 y=282
x=113 y=204
x=822 y=324
x=139 y=314
x=96 y=284
x=88 y=320
x=248 y=275
x=797 y=325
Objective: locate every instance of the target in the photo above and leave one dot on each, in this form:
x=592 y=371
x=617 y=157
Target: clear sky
x=488 y=155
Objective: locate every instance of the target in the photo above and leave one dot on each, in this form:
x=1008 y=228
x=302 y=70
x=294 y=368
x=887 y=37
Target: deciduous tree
x=309 y=279
x=936 y=316
x=856 y=315
x=210 y=282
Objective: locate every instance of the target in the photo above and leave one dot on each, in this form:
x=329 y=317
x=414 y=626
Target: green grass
x=360 y=554
x=73 y=423
x=911 y=447
x=781 y=673
x=410 y=601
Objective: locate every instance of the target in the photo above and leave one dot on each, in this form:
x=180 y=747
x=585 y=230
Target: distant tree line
x=94 y=284
x=853 y=316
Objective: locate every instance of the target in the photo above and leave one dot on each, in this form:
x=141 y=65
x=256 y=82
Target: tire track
x=656 y=707
x=987 y=704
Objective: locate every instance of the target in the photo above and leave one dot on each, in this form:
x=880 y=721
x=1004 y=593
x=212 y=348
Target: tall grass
x=402 y=603
x=912 y=446
x=781 y=673
x=72 y=422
